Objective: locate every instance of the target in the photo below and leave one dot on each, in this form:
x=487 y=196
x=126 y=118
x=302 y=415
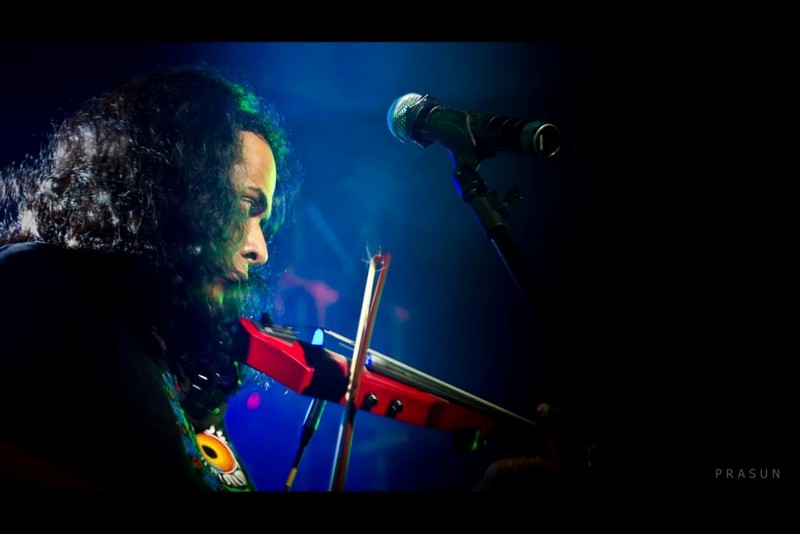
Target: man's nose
x=254 y=248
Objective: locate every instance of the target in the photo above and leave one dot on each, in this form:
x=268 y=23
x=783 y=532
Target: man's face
x=254 y=179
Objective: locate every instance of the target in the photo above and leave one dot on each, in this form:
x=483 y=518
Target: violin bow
x=379 y=263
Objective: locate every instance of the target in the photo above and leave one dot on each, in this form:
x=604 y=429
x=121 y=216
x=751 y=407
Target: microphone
x=421 y=120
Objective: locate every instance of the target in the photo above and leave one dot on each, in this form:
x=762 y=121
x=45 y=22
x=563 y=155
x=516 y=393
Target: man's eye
x=251 y=206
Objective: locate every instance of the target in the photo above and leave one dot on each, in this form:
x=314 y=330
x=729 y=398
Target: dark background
x=657 y=232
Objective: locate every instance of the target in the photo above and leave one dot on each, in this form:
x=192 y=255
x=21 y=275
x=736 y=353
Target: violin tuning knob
x=395 y=407
x=370 y=400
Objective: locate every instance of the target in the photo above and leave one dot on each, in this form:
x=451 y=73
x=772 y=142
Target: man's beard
x=232 y=299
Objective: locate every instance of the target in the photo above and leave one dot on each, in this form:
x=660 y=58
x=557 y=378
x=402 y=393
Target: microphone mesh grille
x=396 y=118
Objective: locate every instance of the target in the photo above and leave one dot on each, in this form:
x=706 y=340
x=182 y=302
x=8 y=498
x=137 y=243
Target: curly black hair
x=143 y=174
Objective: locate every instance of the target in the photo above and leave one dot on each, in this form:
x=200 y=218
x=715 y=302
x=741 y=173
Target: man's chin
x=226 y=299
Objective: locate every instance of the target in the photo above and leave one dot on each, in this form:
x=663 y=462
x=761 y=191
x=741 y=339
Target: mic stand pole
x=490 y=209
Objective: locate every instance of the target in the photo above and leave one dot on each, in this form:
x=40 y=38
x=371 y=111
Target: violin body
x=388 y=387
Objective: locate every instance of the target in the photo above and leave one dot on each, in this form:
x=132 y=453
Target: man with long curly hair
x=129 y=248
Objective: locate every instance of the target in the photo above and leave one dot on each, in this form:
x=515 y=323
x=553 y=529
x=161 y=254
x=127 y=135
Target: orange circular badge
x=216 y=452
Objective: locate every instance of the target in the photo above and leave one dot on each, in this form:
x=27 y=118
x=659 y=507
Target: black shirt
x=84 y=404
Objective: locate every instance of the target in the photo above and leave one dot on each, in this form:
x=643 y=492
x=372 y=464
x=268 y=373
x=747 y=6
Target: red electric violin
x=388 y=387
x=370 y=381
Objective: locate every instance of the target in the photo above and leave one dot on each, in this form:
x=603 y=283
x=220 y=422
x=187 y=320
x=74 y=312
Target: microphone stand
x=490 y=210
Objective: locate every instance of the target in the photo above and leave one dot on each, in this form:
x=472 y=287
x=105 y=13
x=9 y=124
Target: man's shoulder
x=21 y=253
x=33 y=267
x=39 y=276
